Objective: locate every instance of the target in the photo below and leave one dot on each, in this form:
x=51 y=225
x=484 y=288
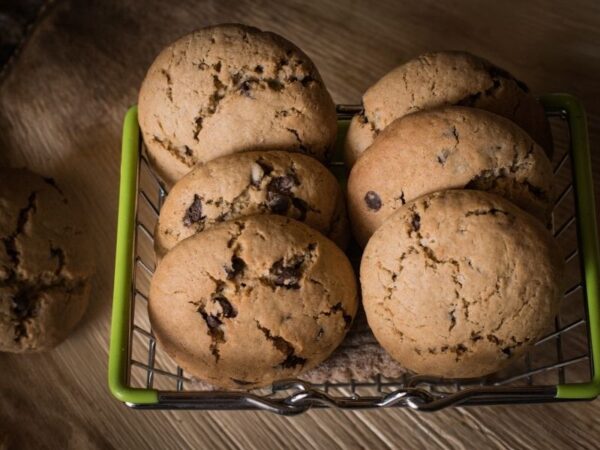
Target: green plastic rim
x=118 y=363
x=118 y=358
x=586 y=232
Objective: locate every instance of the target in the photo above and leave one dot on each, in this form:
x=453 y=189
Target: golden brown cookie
x=252 y=301
x=242 y=184
x=231 y=88
x=447 y=148
x=445 y=78
x=45 y=263
x=460 y=283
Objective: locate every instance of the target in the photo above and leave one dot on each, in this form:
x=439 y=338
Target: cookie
x=243 y=184
x=45 y=264
x=252 y=301
x=460 y=283
x=232 y=88
x=445 y=78
x=448 y=148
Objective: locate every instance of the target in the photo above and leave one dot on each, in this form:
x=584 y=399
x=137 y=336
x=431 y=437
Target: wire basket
x=564 y=365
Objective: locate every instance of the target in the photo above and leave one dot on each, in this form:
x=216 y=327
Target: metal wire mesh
x=561 y=356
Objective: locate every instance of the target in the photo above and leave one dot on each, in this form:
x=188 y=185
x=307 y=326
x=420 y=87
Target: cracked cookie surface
x=447 y=148
x=45 y=263
x=232 y=88
x=445 y=78
x=242 y=184
x=460 y=283
x=252 y=300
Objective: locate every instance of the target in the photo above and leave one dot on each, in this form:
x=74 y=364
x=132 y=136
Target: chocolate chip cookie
x=251 y=301
x=445 y=78
x=45 y=264
x=460 y=283
x=447 y=148
x=242 y=184
x=231 y=88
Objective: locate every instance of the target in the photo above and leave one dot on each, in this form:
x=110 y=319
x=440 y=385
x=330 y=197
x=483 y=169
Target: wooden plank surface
x=61 y=107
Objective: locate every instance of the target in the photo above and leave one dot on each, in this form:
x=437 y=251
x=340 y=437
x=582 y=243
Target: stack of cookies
x=253 y=285
x=449 y=192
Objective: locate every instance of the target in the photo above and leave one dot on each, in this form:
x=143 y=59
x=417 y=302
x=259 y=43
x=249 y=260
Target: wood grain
x=61 y=108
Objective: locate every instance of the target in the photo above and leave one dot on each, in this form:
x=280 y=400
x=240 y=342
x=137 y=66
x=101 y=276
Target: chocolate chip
x=279 y=194
x=217 y=66
x=287 y=275
x=278 y=203
x=212 y=321
x=237 y=267
x=23 y=304
x=228 y=309
x=373 y=201
x=246 y=86
x=194 y=212
x=307 y=80
x=283 y=184
x=301 y=206
x=415 y=222
x=275 y=85
x=259 y=69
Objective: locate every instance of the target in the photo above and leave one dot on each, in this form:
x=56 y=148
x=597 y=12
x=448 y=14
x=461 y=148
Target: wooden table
x=61 y=107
